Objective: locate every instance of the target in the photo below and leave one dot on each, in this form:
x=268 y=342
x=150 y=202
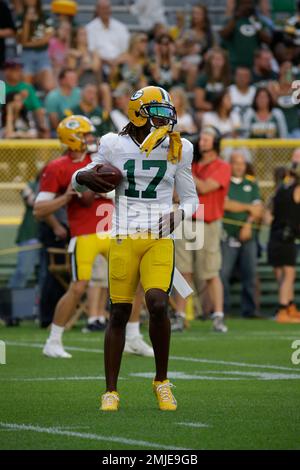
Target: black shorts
x=282 y=253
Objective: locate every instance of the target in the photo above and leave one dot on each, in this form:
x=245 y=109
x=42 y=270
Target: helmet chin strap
x=153 y=126
x=92 y=147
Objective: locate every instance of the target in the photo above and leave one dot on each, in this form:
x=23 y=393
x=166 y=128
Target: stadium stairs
x=268 y=290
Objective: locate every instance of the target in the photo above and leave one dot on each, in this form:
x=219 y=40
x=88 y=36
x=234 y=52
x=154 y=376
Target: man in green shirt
x=13 y=75
x=60 y=101
x=90 y=108
x=243 y=33
x=243 y=209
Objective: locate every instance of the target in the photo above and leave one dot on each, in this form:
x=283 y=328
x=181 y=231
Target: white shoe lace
x=110 y=398
x=164 y=391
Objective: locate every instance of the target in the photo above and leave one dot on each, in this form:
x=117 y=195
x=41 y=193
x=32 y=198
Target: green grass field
x=235 y=391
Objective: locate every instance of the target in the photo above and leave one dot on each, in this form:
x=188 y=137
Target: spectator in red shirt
x=212 y=180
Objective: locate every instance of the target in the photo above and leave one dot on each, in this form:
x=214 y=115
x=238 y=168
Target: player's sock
x=92 y=320
x=101 y=319
x=178 y=321
x=132 y=329
x=180 y=314
x=56 y=333
x=217 y=315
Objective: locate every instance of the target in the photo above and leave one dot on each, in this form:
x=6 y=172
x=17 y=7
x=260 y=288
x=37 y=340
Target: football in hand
x=110 y=174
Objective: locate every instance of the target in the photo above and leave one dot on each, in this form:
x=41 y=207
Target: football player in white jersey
x=153 y=160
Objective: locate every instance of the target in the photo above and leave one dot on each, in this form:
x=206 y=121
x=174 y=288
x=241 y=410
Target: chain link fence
x=265 y=156
x=20 y=162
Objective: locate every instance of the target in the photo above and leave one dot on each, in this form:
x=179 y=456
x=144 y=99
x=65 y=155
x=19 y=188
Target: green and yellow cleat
x=110 y=401
x=164 y=395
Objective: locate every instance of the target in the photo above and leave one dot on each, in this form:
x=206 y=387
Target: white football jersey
x=146 y=191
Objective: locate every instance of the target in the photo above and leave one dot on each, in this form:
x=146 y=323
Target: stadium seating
x=121 y=10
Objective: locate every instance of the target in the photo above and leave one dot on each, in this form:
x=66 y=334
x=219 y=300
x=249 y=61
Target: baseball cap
x=13 y=63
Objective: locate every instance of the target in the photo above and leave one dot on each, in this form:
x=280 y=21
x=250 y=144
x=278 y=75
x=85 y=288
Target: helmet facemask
x=91 y=142
x=160 y=114
x=86 y=142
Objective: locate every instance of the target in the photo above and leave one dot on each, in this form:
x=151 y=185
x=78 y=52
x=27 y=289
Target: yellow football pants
x=85 y=250
x=132 y=259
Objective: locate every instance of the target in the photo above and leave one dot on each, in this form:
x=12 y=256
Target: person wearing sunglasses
x=165 y=69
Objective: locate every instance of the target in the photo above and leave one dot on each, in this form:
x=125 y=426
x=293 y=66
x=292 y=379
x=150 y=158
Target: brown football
x=86 y=199
x=115 y=178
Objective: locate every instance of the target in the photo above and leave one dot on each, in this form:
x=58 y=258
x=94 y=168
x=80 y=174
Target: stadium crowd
x=237 y=80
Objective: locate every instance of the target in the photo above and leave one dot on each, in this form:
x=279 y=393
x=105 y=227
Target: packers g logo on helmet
x=150 y=102
x=73 y=124
x=137 y=95
x=71 y=132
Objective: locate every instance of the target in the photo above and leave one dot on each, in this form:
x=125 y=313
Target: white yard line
x=186 y=376
x=87 y=436
x=258 y=375
x=41 y=345
x=174 y=358
x=217 y=375
x=51 y=379
x=194 y=425
x=196 y=375
x=236 y=337
x=201 y=339
x=208 y=336
x=67 y=428
x=230 y=363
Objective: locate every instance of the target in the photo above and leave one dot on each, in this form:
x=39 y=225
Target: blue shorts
x=35 y=61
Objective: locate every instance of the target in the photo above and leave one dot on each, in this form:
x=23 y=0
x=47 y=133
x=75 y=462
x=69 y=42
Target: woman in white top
x=222 y=117
x=263 y=120
x=185 y=121
x=241 y=91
